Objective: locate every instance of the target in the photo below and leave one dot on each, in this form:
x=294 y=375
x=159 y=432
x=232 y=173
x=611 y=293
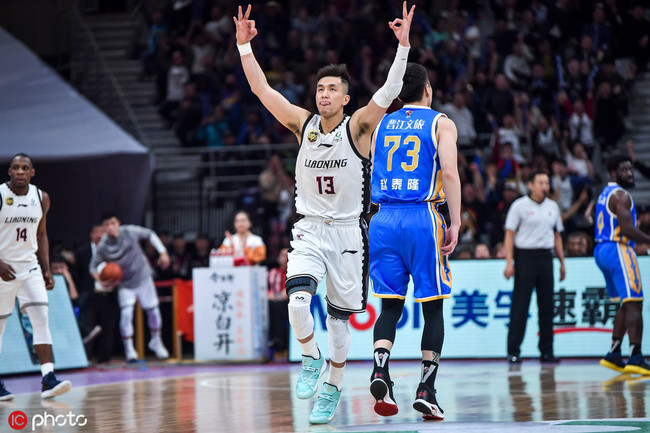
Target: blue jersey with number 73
x=406 y=166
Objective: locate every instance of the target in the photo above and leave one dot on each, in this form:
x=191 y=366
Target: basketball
x=112 y=271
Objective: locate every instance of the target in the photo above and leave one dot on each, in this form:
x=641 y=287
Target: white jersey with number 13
x=332 y=178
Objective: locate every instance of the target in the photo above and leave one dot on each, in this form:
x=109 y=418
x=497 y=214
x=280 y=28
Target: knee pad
x=339 y=339
x=306 y=284
x=126 y=321
x=300 y=316
x=40 y=324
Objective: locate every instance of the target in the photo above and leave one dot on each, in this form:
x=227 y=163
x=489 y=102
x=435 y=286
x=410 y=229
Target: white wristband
x=244 y=49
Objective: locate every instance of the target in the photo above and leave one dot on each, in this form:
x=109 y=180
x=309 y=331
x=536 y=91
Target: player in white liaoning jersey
x=25 y=266
x=332 y=194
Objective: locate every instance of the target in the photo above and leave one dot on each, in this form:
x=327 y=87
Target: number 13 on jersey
x=394 y=142
x=325 y=184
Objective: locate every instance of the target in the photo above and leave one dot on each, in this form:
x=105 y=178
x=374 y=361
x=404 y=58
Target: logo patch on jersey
x=22 y=205
x=300 y=236
x=408 y=113
x=350 y=251
x=9 y=201
x=312 y=136
x=325 y=145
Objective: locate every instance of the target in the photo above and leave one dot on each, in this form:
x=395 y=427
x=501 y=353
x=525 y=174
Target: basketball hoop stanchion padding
x=138 y=338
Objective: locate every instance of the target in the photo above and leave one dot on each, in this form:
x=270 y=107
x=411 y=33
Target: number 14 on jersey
x=21 y=234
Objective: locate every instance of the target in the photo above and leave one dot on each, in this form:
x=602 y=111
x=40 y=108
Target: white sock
x=336 y=376
x=155 y=334
x=46 y=368
x=310 y=348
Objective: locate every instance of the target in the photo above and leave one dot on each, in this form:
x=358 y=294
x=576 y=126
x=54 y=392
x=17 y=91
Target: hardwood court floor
x=477 y=396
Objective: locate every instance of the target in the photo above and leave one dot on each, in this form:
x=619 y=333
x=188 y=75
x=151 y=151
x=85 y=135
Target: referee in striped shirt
x=533 y=227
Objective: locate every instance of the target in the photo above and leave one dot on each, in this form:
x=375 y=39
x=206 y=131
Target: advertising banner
x=477 y=315
x=230 y=313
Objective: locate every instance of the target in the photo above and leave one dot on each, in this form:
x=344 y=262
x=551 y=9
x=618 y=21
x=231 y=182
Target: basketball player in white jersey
x=25 y=266
x=332 y=195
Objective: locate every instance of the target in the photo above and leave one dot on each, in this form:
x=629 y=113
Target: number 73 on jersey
x=394 y=142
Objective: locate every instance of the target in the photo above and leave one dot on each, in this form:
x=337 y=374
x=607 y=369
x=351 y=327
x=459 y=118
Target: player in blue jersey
x=615 y=235
x=415 y=174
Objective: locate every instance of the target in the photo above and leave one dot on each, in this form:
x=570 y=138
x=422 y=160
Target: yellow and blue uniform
x=614 y=253
x=408 y=231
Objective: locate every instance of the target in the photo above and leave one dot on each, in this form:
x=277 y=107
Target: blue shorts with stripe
x=618 y=264
x=405 y=239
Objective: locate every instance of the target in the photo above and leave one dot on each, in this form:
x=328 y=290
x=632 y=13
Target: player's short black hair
x=22 y=155
x=414 y=81
x=333 y=70
x=615 y=160
x=106 y=215
x=536 y=173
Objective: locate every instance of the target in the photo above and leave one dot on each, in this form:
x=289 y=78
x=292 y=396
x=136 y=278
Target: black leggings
x=433 y=333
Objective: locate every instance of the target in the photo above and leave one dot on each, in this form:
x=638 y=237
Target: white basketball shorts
x=337 y=248
x=146 y=295
x=28 y=287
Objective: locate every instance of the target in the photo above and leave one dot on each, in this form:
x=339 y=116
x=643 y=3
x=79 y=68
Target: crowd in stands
x=530 y=85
